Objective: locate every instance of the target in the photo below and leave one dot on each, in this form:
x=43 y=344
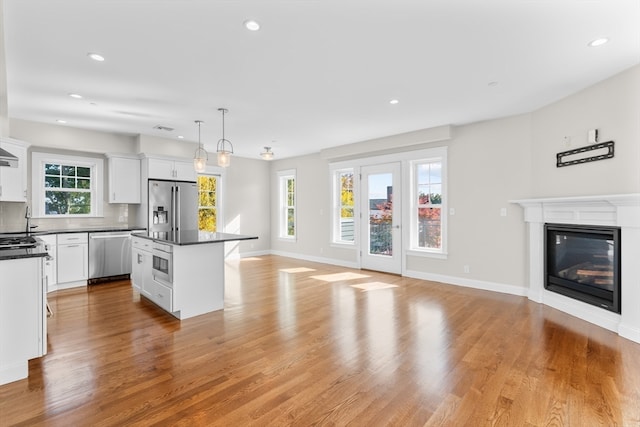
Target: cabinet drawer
x=140 y=243
x=161 y=295
x=72 y=238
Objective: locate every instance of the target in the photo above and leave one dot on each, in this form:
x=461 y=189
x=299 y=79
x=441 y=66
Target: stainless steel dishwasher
x=109 y=255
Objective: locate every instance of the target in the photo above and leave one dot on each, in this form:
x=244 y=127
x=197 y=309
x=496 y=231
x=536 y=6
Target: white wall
x=491 y=163
x=611 y=106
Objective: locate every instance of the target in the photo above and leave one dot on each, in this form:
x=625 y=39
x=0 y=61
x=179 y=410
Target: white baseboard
x=235 y=255
x=629 y=332
x=468 y=283
x=321 y=260
x=581 y=310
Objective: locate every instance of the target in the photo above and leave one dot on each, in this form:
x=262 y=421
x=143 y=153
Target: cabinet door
x=136 y=269
x=147 y=273
x=160 y=169
x=20 y=310
x=13 y=181
x=124 y=180
x=72 y=262
x=184 y=171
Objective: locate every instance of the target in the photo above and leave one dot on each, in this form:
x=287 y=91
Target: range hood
x=8 y=159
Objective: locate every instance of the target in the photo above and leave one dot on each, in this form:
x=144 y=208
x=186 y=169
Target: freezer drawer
x=109 y=254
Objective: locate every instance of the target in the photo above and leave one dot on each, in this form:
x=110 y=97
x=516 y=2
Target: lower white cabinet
x=23 y=326
x=72 y=259
x=161 y=294
x=141 y=266
x=50 y=270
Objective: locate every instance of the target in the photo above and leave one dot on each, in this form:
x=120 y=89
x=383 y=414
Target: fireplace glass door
x=583 y=262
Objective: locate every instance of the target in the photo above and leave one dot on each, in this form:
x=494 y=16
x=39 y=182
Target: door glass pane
x=380 y=213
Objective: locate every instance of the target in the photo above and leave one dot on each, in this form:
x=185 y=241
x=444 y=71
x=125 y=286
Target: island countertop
x=192 y=237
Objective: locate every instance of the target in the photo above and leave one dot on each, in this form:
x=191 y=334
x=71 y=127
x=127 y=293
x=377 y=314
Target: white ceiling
x=319 y=73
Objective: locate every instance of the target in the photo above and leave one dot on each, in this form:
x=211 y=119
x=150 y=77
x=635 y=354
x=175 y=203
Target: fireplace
x=583 y=262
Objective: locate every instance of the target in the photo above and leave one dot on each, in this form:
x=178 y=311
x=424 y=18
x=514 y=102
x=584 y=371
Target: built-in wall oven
x=162 y=262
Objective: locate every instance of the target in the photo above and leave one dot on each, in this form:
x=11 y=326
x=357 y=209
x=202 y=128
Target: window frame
x=283 y=215
x=434 y=155
x=336 y=206
x=219 y=172
x=38 y=190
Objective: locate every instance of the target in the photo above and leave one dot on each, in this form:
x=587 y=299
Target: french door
x=380 y=205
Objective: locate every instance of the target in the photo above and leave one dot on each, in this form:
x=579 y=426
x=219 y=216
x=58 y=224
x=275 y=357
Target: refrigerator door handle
x=178 y=214
x=173 y=208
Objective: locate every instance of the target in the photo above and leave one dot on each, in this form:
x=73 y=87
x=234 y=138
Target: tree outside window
x=429 y=204
x=207 y=203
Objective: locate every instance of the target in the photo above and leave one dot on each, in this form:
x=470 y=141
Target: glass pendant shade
x=267 y=154
x=201 y=156
x=224 y=158
x=224 y=153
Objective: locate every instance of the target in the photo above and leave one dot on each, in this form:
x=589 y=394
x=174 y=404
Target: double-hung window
x=287 y=189
x=208 y=189
x=66 y=186
x=427 y=206
x=343 y=206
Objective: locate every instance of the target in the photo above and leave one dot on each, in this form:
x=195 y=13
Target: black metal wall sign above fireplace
x=583 y=262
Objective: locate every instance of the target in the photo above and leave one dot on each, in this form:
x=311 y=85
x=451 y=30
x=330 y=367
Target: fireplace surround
x=619 y=212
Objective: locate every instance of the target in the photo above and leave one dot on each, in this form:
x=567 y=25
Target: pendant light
x=224 y=154
x=267 y=154
x=201 y=156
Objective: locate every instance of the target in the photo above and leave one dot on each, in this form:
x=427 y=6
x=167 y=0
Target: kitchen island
x=181 y=272
x=23 y=319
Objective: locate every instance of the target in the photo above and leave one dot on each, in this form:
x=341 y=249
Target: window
x=208 y=202
x=66 y=186
x=343 y=206
x=287 y=187
x=427 y=205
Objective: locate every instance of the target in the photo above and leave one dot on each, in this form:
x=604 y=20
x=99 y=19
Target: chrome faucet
x=27 y=215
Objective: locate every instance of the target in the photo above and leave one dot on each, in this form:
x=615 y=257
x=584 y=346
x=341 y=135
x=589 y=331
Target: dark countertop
x=38 y=251
x=192 y=237
x=96 y=229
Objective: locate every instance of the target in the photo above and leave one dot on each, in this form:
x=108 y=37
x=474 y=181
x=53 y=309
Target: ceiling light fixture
x=267 y=154
x=224 y=155
x=61 y=121
x=75 y=96
x=201 y=156
x=95 y=56
x=251 y=25
x=393 y=102
x=598 y=42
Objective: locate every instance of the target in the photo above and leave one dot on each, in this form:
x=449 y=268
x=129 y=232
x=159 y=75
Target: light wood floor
x=306 y=344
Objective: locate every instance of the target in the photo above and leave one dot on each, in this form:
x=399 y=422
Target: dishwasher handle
x=110 y=236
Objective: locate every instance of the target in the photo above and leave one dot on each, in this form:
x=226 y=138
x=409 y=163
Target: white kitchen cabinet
x=141 y=265
x=124 y=179
x=13 y=181
x=72 y=259
x=50 y=270
x=23 y=326
x=171 y=169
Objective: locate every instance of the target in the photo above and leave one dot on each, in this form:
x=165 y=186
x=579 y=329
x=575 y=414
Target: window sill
x=427 y=254
x=350 y=245
x=287 y=239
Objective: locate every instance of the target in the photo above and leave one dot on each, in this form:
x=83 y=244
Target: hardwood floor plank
x=298 y=344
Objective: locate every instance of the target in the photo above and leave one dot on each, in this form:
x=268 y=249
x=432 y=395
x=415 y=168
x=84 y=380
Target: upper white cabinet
x=171 y=169
x=124 y=179
x=13 y=181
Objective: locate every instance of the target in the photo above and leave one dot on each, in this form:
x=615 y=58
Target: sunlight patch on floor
x=297 y=270
x=373 y=286
x=251 y=258
x=339 y=277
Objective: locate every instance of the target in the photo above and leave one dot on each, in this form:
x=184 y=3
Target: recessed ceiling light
x=95 y=56
x=180 y=137
x=251 y=25
x=492 y=84
x=393 y=102
x=61 y=121
x=598 y=42
x=75 y=95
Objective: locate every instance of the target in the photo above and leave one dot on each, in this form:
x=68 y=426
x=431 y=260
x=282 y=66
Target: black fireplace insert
x=583 y=262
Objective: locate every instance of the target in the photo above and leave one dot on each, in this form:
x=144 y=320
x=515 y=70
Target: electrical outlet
x=503 y=211
x=467 y=269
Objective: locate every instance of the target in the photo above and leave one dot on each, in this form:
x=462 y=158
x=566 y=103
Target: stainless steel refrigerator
x=173 y=206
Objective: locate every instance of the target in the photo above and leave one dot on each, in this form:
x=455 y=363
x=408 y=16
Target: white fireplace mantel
x=620 y=210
